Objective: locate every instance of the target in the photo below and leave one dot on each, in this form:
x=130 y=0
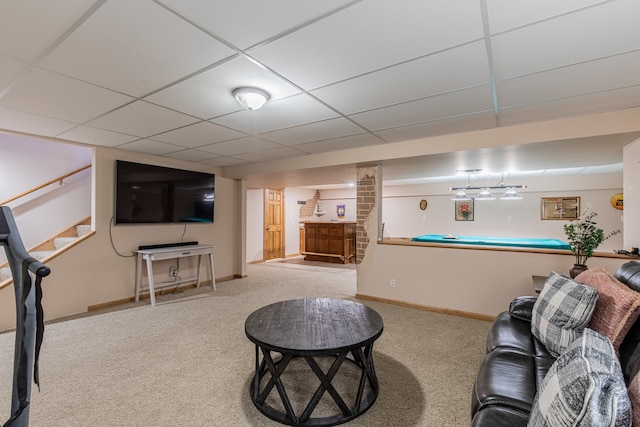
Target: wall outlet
x=392 y=283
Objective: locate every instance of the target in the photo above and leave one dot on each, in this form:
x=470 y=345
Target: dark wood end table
x=310 y=329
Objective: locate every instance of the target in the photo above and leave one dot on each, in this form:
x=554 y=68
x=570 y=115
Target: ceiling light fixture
x=511 y=194
x=461 y=195
x=250 y=98
x=494 y=187
x=485 y=194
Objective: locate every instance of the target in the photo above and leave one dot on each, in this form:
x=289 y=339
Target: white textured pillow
x=561 y=312
x=584 y=387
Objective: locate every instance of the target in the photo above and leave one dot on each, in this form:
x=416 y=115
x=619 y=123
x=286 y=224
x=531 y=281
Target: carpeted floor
x=187 y=361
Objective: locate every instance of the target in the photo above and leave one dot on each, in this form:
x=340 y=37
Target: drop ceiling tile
x=28 y=27
x=208 y=94
x=608 y=73
x=327 y=129
x=468 y=123
x=260 y=20
x=464 y=102
x=202 y=133
x=343 y=143
x=271 y=154
x=191 y=155
x=19 y=121
x=508 y=14
x=96 y=136
x=584 y=104
x=453 y=69
x=238 y=146
x=386 y=33
x=288 y=112
x=147 y=48
x=10 y=69
x=149 y=146
x=142 y=119
x=52 y=95
x=608 y=29
x=225 y=161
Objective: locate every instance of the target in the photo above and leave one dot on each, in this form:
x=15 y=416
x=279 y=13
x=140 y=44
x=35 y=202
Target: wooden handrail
x=60 y=178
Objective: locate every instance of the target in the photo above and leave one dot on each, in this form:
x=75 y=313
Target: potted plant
x=584 y=237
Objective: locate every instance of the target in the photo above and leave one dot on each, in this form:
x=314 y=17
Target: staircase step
x=60 y=242
x=5 y=273
x=40 y=255
x=83 y=229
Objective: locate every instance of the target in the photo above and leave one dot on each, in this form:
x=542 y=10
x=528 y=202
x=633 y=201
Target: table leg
x=198 y=272
x=325 y=385
x=362 y=358
x=152 y=291
x=213 y=274
x=138 y=276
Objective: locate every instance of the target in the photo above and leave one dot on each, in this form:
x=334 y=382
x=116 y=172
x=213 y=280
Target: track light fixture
x=485 y=194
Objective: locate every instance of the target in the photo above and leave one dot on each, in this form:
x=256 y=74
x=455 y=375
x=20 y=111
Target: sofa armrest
x=522 y=307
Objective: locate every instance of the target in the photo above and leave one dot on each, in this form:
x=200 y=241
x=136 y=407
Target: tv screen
x=148 y=194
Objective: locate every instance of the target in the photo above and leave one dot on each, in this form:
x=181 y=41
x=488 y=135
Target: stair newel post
x=27 y=274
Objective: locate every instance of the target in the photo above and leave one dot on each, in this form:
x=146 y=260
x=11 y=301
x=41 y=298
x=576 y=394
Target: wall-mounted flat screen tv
x=148 y=194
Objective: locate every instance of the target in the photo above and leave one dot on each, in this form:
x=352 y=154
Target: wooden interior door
x=273 y=224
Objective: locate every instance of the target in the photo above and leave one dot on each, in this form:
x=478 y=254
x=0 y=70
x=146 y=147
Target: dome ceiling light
x=250 y=98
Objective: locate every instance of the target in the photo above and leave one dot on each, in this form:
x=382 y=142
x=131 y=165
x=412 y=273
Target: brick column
x=366 y=192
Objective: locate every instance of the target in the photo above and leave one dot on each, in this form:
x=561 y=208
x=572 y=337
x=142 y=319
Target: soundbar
x=166 y=245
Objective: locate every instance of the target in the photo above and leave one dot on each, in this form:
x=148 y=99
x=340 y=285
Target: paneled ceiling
x=156 y=76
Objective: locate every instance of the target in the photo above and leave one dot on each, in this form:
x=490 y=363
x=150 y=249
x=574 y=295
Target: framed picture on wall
x=560 y=208
x=464 y=210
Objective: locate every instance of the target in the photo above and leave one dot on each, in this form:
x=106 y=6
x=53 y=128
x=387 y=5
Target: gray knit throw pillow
x=584 y=387
x=561 y=312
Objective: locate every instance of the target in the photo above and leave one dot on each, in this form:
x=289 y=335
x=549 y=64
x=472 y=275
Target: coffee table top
x=313 y=326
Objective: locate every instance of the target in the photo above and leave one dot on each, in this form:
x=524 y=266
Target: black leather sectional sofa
x=516 y=362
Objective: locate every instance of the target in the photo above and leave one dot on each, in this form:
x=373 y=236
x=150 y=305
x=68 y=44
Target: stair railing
x=46 y=184
x=27 y=273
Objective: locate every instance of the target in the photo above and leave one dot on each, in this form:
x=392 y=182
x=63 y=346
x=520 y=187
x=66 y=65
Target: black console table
x=311 y=329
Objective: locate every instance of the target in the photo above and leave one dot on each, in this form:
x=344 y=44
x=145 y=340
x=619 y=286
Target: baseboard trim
x=442 y=310
x=166 y=290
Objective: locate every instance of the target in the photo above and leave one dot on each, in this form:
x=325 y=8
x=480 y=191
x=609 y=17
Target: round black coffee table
x=324 y=333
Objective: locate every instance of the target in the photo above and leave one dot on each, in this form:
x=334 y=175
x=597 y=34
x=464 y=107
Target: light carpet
x=187 y=362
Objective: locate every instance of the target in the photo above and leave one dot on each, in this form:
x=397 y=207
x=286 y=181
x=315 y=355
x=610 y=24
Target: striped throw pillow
x=584 y=387
x=561 y=312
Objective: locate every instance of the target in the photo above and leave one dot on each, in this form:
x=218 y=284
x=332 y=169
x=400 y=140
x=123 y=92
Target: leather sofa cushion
x=508 y=331
x=629 y=273
x=497 y=416
x=634 y=398
x=511 y=332
x=521 y=307
x=506 y=378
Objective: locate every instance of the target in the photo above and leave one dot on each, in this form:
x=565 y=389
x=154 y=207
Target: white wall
x=332 y=198
x=467 y=280
x=292 y=217
x=93 y=273
x=402 y=216
x=255 y=221
x=632 y=195
x=255 y=216
x=27 y=163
